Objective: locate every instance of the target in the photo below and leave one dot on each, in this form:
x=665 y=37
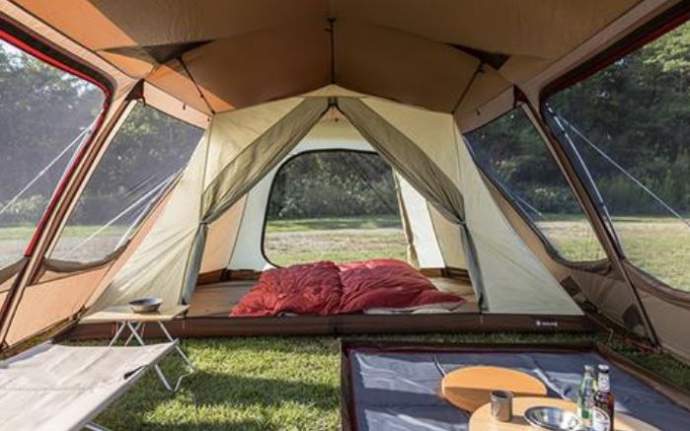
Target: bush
x=24 y=210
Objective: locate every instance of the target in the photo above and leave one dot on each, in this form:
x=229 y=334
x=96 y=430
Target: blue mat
x=399 y=391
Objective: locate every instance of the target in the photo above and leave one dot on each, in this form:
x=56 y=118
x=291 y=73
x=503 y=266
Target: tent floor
x=193 y=327
x=216 y=300
x=208 y=316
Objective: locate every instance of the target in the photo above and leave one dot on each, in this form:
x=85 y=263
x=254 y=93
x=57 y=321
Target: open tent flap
x=424 y=147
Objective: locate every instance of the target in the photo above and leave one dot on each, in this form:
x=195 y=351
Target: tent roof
x=440 y=54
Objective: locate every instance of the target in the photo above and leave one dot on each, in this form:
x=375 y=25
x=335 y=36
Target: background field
x=655 y=244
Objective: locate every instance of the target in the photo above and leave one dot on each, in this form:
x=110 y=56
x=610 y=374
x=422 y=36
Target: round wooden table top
x=481 y=419
x=470 y=388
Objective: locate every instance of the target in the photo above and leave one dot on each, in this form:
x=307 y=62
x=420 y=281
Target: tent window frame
x=657 y=27
x=46 y=52
x=53 y=57
x=551 y=250
x=273 y=182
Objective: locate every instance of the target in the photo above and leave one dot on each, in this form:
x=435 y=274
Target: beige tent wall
x=515 y=280
x=222 y=237
x=159 y=266
x=424 y=239
x=449 y=240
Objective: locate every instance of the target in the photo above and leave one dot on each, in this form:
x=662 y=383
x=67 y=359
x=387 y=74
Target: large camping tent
x=269 y=79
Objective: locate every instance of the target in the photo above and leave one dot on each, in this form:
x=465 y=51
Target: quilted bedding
x=324 y=288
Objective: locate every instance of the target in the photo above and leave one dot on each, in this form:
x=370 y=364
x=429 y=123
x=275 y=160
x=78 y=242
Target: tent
x=270 y=79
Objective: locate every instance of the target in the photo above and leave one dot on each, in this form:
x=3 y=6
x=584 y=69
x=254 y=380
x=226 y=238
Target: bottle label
x=600 y=420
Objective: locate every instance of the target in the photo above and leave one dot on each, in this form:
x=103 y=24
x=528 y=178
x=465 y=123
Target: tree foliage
x=636 y=110
x=333 y=184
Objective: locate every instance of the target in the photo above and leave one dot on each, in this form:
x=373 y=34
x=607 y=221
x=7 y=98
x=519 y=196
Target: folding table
x=135 y=323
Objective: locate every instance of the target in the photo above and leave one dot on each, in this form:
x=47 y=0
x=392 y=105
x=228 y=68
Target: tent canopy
x=442 y=55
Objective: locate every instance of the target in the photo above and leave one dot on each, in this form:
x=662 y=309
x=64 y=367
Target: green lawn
x=338 y=239
x=291 y=383
x=660 y=246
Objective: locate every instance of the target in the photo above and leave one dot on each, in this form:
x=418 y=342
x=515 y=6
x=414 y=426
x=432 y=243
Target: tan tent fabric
x=459 y=57
x=43 y=305
x=299 y=63
x=398 y=66
x=407 y=51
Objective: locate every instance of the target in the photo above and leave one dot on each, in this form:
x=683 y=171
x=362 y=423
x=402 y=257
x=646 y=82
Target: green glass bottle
x=585 y=398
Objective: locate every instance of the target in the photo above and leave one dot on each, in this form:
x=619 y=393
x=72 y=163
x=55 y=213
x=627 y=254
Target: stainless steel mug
x=502 y=405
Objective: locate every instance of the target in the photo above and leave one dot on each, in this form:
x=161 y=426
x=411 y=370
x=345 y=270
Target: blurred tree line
x=43 y=109
x=636 y=110
x=333 y=184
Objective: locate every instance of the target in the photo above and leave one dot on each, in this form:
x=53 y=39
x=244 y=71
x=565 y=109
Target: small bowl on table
x=145 y=305
x=552 y=419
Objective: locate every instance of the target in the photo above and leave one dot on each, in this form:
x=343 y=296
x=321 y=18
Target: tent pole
x=578 y=186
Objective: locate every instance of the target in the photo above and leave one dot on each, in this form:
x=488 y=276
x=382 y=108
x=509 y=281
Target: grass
x=660 y=246
x=337 y=239
x=291 y=383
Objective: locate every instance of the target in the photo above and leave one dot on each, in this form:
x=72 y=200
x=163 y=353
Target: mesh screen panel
x=333 y=205
x=45 y=116
x=627 y=128
x=511 y=152
x=141 y=162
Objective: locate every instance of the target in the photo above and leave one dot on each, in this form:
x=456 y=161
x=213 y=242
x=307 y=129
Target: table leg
x=140 y=340
x=120 y=327
x=177 y=346
x=138 y=327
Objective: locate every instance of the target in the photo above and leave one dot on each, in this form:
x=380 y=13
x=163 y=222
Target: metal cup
x=502 y=405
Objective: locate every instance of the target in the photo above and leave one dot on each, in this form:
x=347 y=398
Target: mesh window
x=144 y=157
x=627 y=129
x=512 y=153
x=333 y=205
x=45 y=116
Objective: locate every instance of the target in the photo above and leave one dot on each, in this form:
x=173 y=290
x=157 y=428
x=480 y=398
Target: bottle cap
x=604 y=368
x=589 y=368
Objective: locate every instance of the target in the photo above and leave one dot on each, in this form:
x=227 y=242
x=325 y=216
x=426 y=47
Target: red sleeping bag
x=323 y=288
x=387 y=283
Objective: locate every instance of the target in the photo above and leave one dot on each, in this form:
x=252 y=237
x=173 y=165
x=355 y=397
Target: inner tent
x=205 y=245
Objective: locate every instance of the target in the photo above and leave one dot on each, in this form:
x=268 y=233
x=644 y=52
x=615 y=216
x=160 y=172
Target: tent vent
x=493 y=59
x=632 y=318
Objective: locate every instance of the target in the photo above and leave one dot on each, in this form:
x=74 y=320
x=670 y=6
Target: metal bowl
x=145 y=305
x=552 y=419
